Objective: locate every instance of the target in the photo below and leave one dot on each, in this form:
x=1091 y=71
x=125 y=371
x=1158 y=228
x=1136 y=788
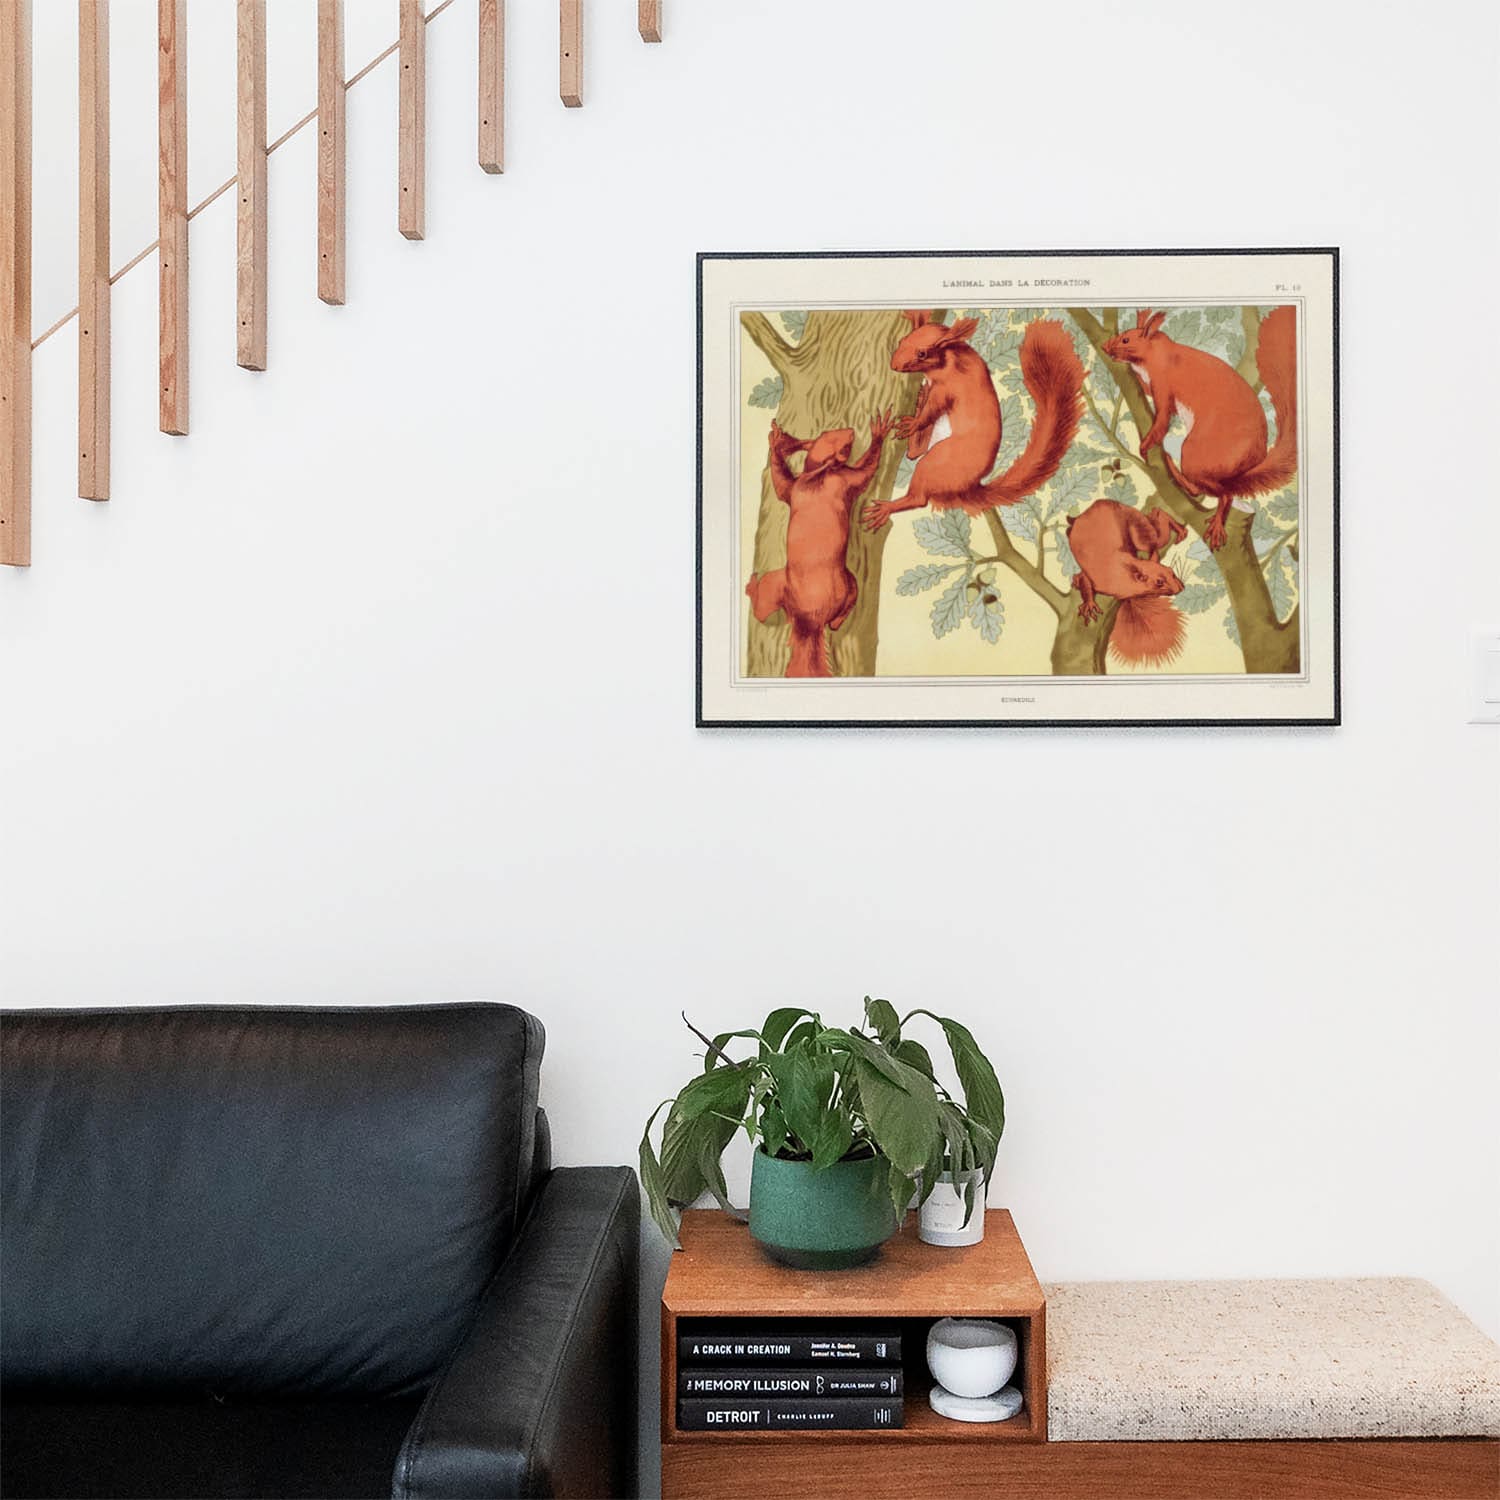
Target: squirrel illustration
x=816 y=588
x=1106 y=541
x=954 y=434
x=1224 y=451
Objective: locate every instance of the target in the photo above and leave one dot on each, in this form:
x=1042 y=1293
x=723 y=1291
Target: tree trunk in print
x=838 y=374
x=1079 y=648
x=1268 y=645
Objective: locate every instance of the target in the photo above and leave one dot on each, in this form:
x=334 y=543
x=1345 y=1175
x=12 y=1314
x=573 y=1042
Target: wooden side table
x=721 y=1273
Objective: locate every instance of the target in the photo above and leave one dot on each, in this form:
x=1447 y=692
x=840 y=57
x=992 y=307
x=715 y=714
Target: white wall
x=379 y=686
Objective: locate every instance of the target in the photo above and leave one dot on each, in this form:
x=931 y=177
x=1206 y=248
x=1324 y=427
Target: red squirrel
x=955 y=431
x=816 y=588
x=1106 y=541
x=1224 y=451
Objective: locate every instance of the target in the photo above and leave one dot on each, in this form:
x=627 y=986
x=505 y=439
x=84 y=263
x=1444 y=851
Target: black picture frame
x=1331 y=720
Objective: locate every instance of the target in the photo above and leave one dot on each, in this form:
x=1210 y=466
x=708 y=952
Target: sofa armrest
x=540 y=1398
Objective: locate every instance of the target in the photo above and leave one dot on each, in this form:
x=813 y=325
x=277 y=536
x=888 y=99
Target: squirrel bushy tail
x=1276 y=359
x=1148 y=631
x=809 y=652
x=1054 y=377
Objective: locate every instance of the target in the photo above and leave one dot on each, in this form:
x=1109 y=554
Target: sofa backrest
x=251 y=1200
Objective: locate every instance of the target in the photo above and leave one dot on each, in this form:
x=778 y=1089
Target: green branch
x=1029 y=573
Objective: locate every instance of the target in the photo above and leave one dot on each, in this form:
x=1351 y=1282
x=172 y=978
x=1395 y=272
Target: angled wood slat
x=15 y=282
x=492 y=85
x=331 y=151
x=648 y=20
x=412 y=150
x=570 y=52
x=250 y=156
x=172 y=212
x=93 y=250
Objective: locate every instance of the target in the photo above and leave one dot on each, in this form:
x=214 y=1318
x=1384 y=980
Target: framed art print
x=1027 y=488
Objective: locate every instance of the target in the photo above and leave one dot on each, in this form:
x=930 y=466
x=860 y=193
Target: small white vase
x=971 y=1357
x=940 y=1220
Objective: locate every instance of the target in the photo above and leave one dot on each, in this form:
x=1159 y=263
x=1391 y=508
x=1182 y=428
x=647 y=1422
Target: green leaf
x=773 y=1129
x=1105 y=389
x=902 y=1117
x=1197 y=597
x=914 y=1055
x=932 y=1169
x=711 y=1171
x=723 y=1090
x=1185 y=325
x=900 y=1185
x=1283 y=507
x=1022 y=520
x=804 y=1086
x=861 y=1046
x=716 y=1057
x=802 y=1031
x=1070 y=487
x=985 y=1143
x=1282 y=581
x=883 y=1020
x=1013 y=431
x=685 y=1145
x=950 y=608
x=779 y=1023
x=767 y=393
x=832 y=1139
x=982 y=1093
x=924 y=576
x=971 y=1194
x=653 y=1181
x=1066 y=562
x=957 y=1147
x=987 y=612
x=794 y=322
x=944 y=534
x=1081 y=454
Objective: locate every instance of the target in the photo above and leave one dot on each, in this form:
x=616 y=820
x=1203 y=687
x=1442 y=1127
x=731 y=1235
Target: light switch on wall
x=1486 y=677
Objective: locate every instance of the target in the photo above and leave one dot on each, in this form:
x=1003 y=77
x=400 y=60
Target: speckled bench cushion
x=1153 y=1360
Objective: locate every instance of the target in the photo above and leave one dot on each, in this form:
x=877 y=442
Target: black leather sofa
x=304 y=1252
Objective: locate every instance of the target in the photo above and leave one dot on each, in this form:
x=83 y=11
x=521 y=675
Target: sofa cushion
x=256 y=1201
x=1152 y=1360
x=325 y=1450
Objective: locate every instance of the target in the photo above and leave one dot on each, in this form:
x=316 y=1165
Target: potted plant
x=846 y=1125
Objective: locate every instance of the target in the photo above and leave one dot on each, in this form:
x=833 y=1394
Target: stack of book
x=788 y=1380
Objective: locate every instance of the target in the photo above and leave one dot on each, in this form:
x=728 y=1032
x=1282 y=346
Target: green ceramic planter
x=821 y=1221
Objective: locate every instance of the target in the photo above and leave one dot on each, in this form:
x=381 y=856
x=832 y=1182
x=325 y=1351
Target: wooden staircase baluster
x=172 y=213
x=331 y=151
x=15 y=282
x=412 y=148
x=570 y=52
x=93 y=250
x=251 y=221
x=492 y=85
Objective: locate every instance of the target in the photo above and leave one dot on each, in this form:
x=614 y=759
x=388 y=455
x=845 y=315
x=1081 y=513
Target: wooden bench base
x=1325 y=1469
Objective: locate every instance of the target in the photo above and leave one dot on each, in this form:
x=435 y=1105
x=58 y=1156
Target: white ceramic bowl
x=971 y=1356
